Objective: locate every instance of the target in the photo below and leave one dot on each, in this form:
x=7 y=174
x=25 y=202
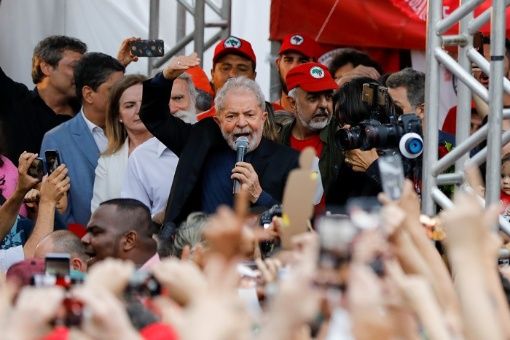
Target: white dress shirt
x=150 y=173
x=98 y=134
x=110 y=175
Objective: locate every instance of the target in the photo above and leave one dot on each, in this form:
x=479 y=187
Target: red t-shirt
x=300 y=144
x=316 y=143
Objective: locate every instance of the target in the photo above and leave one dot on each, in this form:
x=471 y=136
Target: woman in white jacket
x=125 y=131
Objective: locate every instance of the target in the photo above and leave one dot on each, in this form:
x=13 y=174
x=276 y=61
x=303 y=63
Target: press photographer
x=371 y=125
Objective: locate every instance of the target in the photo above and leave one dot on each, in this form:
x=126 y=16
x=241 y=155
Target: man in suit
x=207 y=162
x=80 y=140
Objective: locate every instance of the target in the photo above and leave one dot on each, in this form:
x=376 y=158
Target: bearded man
x=207 y=161
x=311 y=88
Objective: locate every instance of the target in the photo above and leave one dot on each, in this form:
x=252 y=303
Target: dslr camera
x=383 y=129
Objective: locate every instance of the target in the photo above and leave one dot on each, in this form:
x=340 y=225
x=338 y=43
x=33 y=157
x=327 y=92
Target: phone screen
x=36 y=169
x=52 y=160
x=58 y=264
x=336 y=234
x=392 y=175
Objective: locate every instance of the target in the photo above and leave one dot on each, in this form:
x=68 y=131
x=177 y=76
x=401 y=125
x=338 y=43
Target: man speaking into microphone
x=208 y=162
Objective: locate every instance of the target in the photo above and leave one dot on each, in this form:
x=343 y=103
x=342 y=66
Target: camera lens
x=348 y=139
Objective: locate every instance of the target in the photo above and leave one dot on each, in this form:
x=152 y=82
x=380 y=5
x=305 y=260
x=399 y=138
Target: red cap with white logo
x=234 y=45
x=311 y=77
x=300 y=43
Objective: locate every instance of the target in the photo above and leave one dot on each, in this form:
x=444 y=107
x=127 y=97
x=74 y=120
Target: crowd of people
x=186 y=208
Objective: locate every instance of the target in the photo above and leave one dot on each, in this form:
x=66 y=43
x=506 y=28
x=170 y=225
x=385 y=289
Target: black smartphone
x=52 y=160
x=148 y=48
x=58 y=264
x=36 y=169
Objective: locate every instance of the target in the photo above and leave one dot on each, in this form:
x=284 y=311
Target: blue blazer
x=79 y=152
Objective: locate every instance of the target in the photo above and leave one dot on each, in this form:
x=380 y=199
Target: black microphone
x=241 y=145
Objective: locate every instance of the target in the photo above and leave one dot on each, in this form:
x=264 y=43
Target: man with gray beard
x=207 y=165
x=183 y=99
x=311 y=88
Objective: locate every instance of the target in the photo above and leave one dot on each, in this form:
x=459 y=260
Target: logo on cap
x=296 y=40
x=317 y=72
x=232 y=42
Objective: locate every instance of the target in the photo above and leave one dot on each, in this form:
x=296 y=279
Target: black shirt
x=25 y=117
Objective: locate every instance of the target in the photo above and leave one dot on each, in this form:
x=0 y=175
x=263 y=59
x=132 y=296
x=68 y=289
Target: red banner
x=364 y=23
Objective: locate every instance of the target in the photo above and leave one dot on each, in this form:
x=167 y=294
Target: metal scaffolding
x=197 y=8
x=467 y=55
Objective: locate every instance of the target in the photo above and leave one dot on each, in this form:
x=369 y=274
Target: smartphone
x=58 y=264
x=52 y=160
x=336 y=234
x=392 y=175
x=36 y=169
x=148 y=48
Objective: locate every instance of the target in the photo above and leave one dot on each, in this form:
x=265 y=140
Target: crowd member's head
x=240 y=111
x=189 y=233
x=311 y=95
x=120 y=228
x=53 y=63
x=122 y=112
x=349 y=107
x=484 y=78
x=505 y=174
x=94 y=75
x=204 y=91
x=296 y=49
x=233 y=57
x=347 y=60
x=183 y=99
x=64 y=241
x=407 y=90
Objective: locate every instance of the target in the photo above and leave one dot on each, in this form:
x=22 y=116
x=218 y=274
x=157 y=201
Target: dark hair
x=354 y=57
x=486 y=40
x=137 y=213
x=50 y=51
x=93 y=69
x=349 y=108
x=115 y=130
x=505 y=158
x=65 y=241
x=414 y=83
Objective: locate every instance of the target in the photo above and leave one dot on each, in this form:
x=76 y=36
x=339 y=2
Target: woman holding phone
x=125 y=131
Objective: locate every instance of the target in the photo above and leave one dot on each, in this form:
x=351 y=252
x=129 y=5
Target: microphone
x=241 y=145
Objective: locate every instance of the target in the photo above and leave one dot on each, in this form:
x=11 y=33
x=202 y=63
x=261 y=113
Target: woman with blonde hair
x=125 y=131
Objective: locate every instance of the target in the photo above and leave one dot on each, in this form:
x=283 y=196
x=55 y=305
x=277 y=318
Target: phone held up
x=36 y=169
x=52 y=160
x=147 y=48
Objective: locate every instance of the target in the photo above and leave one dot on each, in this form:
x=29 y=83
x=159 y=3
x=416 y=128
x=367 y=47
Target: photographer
x=358 y=173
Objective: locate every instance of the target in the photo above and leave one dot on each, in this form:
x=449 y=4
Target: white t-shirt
x=10 y=256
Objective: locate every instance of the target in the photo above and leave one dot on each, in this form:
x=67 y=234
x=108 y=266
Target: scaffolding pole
x=197 y=9
x=436 y=55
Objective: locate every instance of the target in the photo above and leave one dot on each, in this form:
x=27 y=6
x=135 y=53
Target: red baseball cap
x=234 y=45
x=300 y=43
x=311 y=77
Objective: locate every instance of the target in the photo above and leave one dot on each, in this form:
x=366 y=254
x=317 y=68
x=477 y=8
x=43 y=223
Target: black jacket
x=193 y=143
x=340 y=182
x=25 y=117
